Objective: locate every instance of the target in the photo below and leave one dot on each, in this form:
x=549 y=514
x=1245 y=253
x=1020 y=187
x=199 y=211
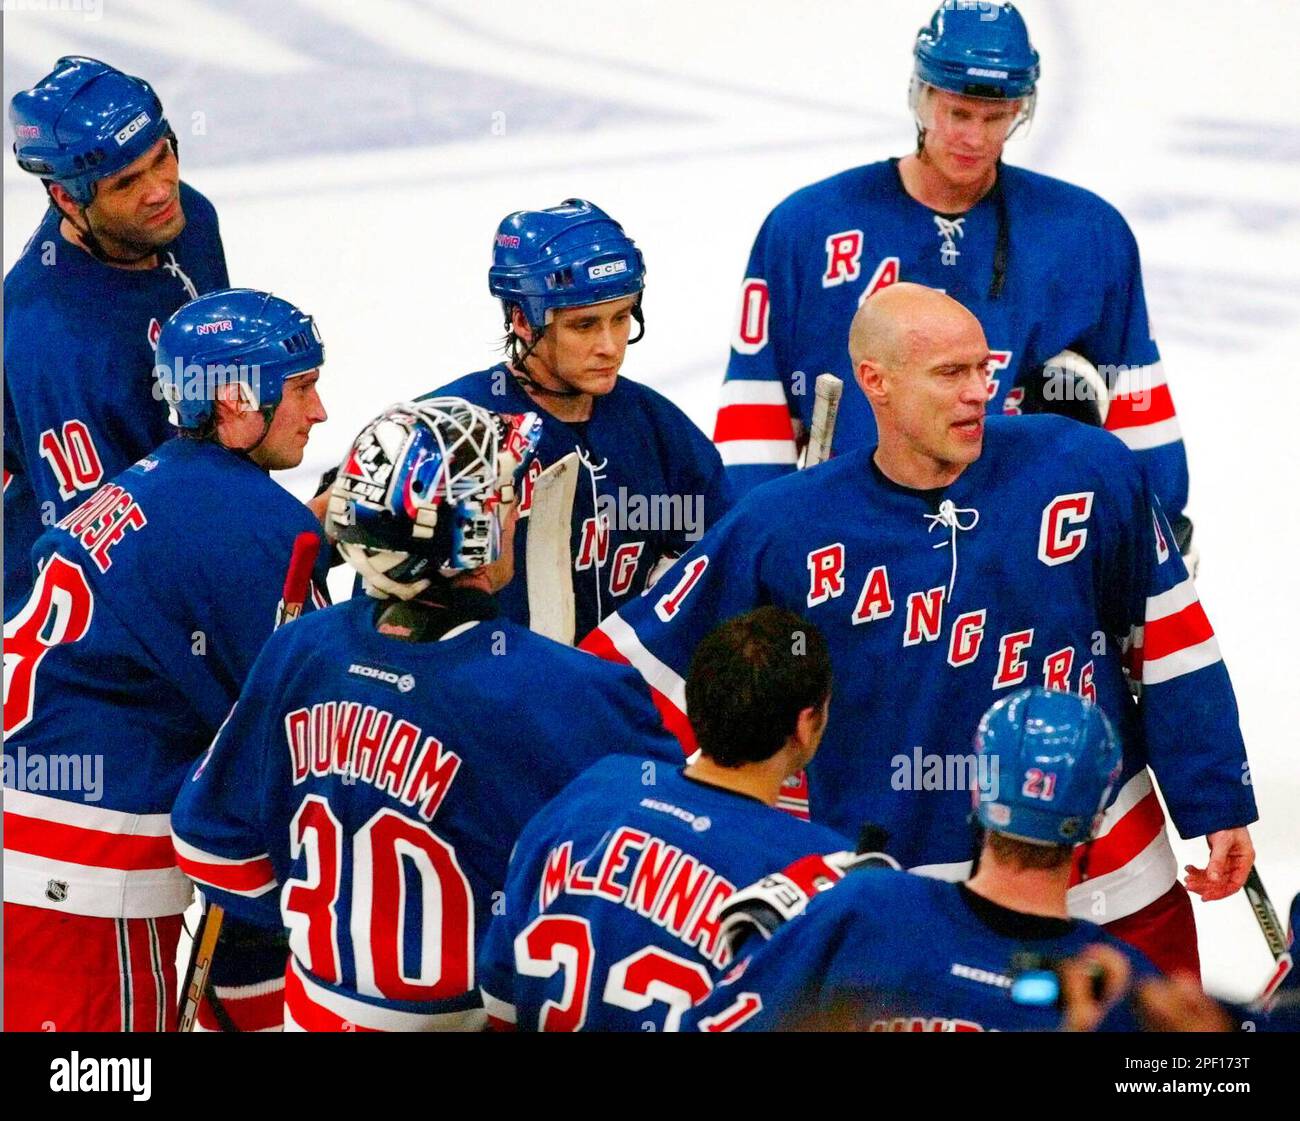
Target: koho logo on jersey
x=130 y=130
x=609 y=268
x=402 y=682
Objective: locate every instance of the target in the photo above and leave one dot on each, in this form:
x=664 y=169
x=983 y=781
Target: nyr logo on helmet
x=508 y=241
x=214 y=327
x=402 y=682
x=608 y=268
x=27 y=132
x=130 y=130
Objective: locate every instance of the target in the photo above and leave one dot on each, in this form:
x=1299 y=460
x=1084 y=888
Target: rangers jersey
x=80 y=405
x=151 y=602
x=611 y=914
x=393 y=778
x=1047 y=561
x=1044 y=266
x=650 y=485
x=852 y=961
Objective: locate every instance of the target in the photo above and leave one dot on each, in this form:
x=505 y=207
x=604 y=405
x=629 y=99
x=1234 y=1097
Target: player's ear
x=519 y=325
x=65 y=203
x=870 y=377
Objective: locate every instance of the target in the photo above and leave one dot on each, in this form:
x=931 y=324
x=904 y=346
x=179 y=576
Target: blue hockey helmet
x=1053 y=760
x=83 y=121
x=977 y=50
x=421 y=492
x=571 y=255
x=234 y=335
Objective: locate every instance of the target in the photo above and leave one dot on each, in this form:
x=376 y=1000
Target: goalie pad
x=764 y=906
x=1067 y=385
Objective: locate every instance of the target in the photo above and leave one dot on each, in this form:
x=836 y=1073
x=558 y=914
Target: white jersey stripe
x=658 y=676
x=1188 y=660
x=1146 y=436
x=753 y=393
x=1171 y=602
x=735 y=453
x=1127 y=889
x=27 y=804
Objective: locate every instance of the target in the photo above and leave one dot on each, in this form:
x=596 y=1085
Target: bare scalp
x=892 y=326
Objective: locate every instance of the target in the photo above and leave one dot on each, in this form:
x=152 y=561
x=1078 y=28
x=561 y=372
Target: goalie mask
x=423 y=492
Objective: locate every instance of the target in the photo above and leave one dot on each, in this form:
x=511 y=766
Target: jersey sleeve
x=217 y=827
x=1187 y=708
x=754 y=433
x=1142 y=410
x=781 y=980
x=657 y=633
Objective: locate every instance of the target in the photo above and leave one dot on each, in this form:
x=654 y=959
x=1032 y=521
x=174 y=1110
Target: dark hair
x=749 y=680
x=1028 y=857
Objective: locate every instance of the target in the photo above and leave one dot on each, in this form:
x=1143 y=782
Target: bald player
x=960 y=557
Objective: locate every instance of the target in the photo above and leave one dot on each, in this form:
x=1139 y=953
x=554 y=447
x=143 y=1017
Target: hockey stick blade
x=1266 y=915
x=826 y=407
x=549 y=557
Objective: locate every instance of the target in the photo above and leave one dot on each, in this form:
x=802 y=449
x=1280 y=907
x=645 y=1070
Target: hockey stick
x=297 y=586
x=549 y=557
x=1272 y=928
x=826 y=408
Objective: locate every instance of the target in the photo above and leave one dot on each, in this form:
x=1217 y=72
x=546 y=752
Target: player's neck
x=1031 y=891
x=902 y=465
x=927 y=185
x=758 y=780
x=73 y=236
x=570 y=409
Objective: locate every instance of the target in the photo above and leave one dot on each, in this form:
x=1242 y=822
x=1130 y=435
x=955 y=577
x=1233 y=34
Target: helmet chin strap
x=267 y=413
x=93 y=246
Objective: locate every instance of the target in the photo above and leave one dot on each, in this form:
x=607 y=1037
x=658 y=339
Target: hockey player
x=123 y=245
x=965 y=555
x=570 y=282
x=611 y=915
x=399 y=745
x=852 y=961
x=151 y=602
x=1044 y=265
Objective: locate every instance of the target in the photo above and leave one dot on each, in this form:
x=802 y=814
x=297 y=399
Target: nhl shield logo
x=56 y=891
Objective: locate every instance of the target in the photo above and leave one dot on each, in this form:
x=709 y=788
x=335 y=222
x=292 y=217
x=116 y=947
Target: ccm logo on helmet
x=131 y=129
x=402 y=682
x=609 y=268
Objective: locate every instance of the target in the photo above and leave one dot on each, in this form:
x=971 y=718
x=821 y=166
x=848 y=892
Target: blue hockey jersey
x=1047 y=562
x=853 y=961
x=392 y=779
x=151 y=602
x=80 y=405
x=1072 y=280
x=611 y=912
x=650 y=485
